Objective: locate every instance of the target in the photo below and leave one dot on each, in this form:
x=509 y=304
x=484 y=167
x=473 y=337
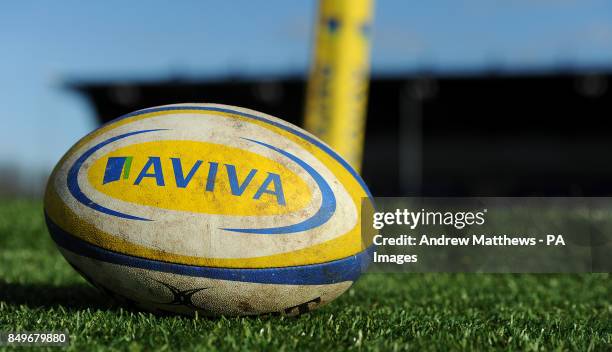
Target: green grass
x=39 y=291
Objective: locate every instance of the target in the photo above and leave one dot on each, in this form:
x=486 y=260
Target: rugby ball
x=209 y=208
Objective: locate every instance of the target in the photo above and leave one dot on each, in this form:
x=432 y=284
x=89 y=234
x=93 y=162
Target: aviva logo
x=119 y=167
x=200 y=177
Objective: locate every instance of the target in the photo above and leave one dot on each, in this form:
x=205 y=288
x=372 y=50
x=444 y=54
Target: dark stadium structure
x=481 y=134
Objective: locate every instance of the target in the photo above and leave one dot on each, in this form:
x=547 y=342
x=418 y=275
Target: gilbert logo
x=208 y=175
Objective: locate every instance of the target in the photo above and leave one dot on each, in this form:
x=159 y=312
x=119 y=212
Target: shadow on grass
x=71 y=297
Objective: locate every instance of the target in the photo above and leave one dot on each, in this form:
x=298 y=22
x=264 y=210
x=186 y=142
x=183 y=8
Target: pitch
x=39 y=291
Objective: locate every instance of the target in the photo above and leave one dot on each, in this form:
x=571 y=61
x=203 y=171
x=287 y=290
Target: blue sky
x=44 y=44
